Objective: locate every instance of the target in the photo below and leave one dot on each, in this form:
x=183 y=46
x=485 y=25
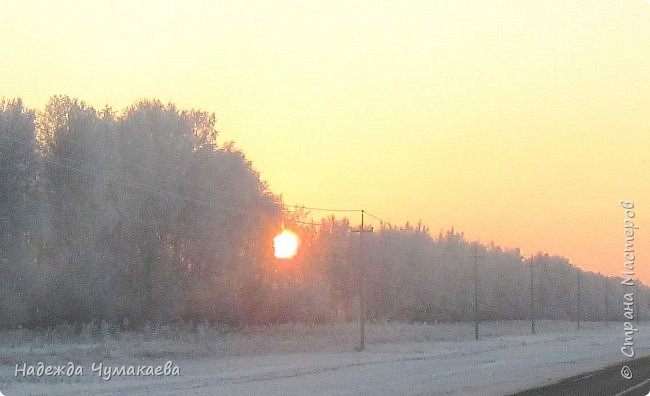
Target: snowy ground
x=401 y=359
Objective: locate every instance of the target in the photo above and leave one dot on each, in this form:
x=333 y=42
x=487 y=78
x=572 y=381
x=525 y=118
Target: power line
x=308 y=223
x=322 y=209
x=164 y=176
x=81 y=167
x=92 y=170
x=378 y=218
x=134 y=184
x=80 y=164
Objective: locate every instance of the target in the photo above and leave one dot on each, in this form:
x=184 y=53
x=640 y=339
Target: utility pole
x=476 y=291
x=362 y=308
x=579 y=313
x=532 y=297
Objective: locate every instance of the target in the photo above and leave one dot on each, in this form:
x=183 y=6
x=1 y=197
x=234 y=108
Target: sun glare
x=285 y=244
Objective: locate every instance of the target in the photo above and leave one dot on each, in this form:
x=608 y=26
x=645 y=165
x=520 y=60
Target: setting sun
x=285 y=245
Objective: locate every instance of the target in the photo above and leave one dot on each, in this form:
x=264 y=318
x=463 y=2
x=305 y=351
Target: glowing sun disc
x=285 y=245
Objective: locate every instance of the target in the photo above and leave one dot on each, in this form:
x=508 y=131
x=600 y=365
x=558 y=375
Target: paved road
x=606 y=382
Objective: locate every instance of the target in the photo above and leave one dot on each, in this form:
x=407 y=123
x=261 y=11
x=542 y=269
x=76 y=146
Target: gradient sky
x=518 y=122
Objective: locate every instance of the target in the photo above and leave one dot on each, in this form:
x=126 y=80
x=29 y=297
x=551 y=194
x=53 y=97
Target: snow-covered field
x=400 y=359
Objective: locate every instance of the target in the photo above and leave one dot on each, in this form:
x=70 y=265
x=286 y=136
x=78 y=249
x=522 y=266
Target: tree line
x=144 y=215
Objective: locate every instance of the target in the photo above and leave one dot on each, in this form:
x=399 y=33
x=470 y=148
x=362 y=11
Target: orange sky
x=522 y=123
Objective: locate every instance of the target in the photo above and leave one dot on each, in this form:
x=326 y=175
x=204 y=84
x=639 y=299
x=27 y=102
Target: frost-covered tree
x=19 y=211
